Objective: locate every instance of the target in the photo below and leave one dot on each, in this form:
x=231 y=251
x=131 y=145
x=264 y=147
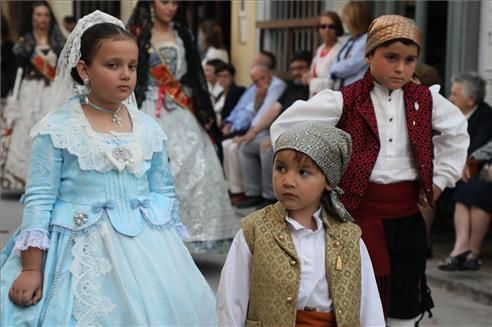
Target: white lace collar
x=69 y=129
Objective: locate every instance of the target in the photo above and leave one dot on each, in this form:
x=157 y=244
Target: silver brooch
x=80 y=218
x=122 y=155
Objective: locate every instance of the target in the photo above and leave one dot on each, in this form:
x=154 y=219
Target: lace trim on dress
x=87 y=268
x=31 y=237
x=77 y=136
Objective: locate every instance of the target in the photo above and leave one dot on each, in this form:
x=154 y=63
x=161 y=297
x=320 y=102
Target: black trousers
x=407 y=245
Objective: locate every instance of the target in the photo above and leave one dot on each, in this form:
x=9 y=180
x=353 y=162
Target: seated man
x=253 y=104
x=255 y=151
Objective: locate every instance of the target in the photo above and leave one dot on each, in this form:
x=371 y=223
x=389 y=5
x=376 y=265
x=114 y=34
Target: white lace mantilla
x=32 y=237
x=76 y=135
x=87 y=268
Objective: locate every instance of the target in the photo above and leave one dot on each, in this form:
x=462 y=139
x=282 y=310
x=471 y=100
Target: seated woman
x=473 y=206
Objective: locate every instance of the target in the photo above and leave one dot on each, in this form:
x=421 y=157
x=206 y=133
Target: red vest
x=359 y=120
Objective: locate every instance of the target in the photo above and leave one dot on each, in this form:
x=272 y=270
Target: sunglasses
x=330 y=26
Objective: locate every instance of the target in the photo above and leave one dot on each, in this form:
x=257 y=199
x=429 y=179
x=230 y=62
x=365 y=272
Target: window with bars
x=286 y=27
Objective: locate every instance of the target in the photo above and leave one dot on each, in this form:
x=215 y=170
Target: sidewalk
x=476 y=285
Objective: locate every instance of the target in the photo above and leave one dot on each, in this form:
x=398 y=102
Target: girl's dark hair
x=27 y=24
x=92 y=39
x=390 y=42
x=140 y=24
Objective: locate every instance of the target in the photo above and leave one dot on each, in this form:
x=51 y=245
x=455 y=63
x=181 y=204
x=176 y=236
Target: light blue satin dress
x=104 y=208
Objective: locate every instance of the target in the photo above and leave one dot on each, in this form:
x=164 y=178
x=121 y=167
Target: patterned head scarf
x=330 y=148
x=390 y=27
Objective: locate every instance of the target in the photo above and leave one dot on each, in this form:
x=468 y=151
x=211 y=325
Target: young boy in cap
x=390 y=120
x=301 y=261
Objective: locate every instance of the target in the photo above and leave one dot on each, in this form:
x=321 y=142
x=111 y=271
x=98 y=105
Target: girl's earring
x=152 y=13
x=130 y=99
x=85 y=92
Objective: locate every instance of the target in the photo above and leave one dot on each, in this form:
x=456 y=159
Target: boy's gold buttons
x=293 y=262
x=289 y=299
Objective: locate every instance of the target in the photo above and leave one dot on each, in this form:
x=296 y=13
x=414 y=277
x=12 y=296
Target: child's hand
x=466 y=173
x=436 y=193
x=27 y=288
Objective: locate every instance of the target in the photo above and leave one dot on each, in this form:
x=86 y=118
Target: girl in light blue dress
x=100 y=242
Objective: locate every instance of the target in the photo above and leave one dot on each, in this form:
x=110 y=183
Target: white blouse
x=395 y=161
x=233 y=291
x=320 y=67
x=214 y=53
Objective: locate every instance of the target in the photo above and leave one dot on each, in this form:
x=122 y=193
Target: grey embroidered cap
x=330 y=148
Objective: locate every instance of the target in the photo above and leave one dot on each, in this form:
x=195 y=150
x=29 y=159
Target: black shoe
x=265 y=202
x=472 y=264
x=250 y=201
x=453 y=263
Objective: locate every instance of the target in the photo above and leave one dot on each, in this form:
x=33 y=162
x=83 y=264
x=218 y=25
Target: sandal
x=472 y=264
x=453 y=263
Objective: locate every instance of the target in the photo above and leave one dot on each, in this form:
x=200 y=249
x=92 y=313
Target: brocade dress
x=35 y=95
x=200 y=186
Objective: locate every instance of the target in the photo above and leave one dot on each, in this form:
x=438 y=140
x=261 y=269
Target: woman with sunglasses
x=330 y=28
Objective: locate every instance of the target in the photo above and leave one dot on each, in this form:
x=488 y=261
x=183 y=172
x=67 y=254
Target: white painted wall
x=61 y=8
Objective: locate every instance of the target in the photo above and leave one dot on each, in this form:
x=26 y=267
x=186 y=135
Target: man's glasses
x=330 y=26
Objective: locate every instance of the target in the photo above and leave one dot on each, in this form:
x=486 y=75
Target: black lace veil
x=140 y=24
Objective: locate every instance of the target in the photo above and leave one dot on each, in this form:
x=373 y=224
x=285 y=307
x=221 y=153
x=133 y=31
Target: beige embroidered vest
x=275 y=276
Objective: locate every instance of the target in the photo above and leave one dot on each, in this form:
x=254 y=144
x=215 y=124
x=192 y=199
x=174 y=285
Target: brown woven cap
x=391 y=27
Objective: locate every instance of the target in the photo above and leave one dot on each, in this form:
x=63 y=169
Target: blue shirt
x=244 y=115
x=351 y=61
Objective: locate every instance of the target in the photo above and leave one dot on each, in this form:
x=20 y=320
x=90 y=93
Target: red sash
x=170 y=86
x=43 y=67
x=314 y=318
x=383 y=201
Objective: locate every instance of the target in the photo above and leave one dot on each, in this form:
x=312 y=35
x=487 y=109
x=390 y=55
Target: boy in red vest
x=390 y=120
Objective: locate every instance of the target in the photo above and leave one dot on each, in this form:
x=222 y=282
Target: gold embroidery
x=275 y=276
x=339 y=264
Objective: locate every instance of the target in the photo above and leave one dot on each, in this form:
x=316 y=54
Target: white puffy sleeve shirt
x=233 y=291
x=395 y=161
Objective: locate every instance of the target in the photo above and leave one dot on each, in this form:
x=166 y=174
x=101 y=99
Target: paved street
x=452 y=309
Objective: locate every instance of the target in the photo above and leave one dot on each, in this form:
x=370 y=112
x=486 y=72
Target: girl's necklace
x=115 y=118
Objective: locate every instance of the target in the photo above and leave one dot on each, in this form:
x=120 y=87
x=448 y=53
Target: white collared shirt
x=395 y=161
x=233 y=291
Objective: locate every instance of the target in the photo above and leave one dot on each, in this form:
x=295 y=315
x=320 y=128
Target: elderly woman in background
x=330 y=28
x=350 y=64
x=473 y=210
